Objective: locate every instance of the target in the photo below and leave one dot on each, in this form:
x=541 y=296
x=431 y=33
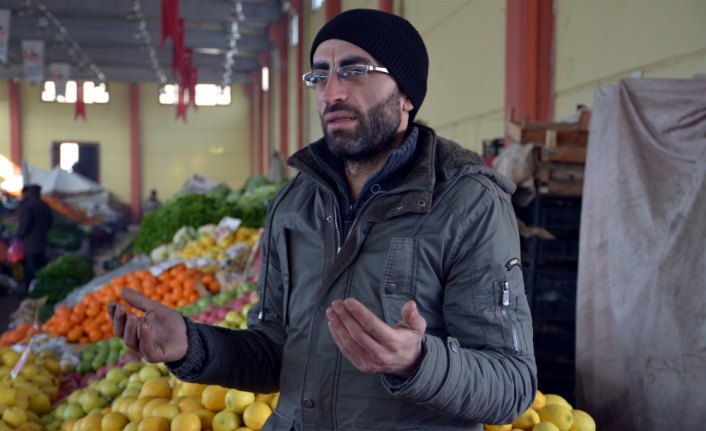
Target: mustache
x=342 y=107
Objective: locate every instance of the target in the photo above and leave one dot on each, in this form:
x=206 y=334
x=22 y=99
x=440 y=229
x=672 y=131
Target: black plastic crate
x=560 y=215
x=559 y=344
x=561 y=249
x=555 y=279
x=554 y=306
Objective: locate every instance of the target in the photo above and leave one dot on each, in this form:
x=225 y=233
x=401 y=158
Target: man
x=35 y=220
x=391 y=293
x=151 y=203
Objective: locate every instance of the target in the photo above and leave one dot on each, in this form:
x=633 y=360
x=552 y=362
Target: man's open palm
x=373 y=346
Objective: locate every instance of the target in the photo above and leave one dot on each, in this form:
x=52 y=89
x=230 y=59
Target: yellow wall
x=599 y=42
x=4 y=119
x=106 y=124
x=213 y=142
x=466 y=45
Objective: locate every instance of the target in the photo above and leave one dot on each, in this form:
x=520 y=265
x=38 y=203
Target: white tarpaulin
x=60 y=181
x=641 y=305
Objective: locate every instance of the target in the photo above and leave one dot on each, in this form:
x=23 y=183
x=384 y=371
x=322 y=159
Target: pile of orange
x=88 y=321
x=22 y=332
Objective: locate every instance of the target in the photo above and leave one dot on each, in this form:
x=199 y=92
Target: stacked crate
x=550 y=267
x=561 y=151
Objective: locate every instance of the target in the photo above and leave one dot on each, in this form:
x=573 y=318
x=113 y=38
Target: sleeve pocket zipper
x=504 y=311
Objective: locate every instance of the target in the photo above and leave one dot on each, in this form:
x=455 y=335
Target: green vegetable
x=60 y=277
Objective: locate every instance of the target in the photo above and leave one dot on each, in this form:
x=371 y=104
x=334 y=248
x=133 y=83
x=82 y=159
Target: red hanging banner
x=80 y=104
x=178 y=49
x=170 y=18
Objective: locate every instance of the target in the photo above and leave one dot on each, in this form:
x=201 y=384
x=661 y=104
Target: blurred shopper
x=151 y=203
x=35 y=221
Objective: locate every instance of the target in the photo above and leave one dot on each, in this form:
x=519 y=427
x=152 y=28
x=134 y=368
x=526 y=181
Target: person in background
x=35 y=220
x=151 y=203
x=391 y=293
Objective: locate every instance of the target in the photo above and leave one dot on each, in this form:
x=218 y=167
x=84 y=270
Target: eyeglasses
x=353 y=74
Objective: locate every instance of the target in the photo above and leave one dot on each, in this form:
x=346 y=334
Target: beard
x=374 y=134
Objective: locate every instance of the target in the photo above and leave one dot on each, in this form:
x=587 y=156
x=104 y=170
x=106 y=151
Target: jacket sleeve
x=249 y=359
x=484 y=371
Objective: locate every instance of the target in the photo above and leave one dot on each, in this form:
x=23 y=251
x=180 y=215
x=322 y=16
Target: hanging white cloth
x=641 y=304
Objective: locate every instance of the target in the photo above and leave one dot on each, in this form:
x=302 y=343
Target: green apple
x=109 y=388
x=116 y=375
x=73 y=411
x=132 y=367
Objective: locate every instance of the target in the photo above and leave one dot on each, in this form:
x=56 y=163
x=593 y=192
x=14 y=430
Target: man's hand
x=370 y=344
x=159 y=336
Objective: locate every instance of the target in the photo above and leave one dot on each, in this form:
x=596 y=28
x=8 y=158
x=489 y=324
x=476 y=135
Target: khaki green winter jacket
x=446 y=238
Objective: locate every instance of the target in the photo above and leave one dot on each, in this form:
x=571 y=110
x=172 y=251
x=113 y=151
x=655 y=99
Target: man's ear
x=407 y=104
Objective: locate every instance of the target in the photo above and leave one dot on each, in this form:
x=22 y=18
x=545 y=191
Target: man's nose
x=334 y=91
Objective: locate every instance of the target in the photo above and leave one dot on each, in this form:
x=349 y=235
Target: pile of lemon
x=145 y=397
x=25 y=400
x=549 y=412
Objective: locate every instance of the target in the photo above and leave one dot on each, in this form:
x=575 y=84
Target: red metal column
x=135 y=154
x=15 y=123
x=333 y=8
x=387 y=5
x=529 y=55
x=278 y=34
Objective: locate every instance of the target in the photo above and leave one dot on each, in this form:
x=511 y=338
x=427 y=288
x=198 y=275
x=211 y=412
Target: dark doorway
x=80 y=157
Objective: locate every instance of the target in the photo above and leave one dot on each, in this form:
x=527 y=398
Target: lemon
x=556 y=399
x=186 y=422
x=14 y=416
x=213 y=397
x=539 y=400
x=504 y=427
x=190 y=404
x=148 y=410
x=225 y=421
x=545 y=426
x=157 y=388
x=206 y=417
x=255 y=415
x=527 y=420
x=582 y=421
x=237 y=401
x=166 y=411
x=153 y=423
x=558 y=415
x=113 y=421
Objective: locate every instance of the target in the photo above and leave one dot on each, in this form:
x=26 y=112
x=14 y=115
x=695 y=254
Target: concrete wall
x=4 y=119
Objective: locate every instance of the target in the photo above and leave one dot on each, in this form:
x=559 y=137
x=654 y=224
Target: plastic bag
x=16 y=252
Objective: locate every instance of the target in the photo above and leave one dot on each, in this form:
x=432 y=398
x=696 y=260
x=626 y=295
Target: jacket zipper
x=337 y=225
x=504 y=312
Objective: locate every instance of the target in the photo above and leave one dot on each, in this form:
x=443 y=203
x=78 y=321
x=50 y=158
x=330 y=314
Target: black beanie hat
x=392 y=40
